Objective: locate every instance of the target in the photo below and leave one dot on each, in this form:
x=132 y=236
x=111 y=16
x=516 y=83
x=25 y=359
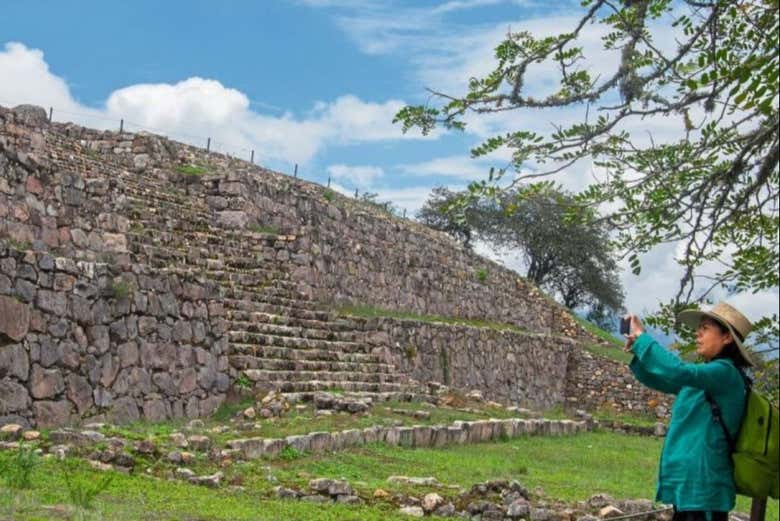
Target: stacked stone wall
x=85 y=332
x=359 y=256
x=598 y=383
x=106 y=336
x=511 y=367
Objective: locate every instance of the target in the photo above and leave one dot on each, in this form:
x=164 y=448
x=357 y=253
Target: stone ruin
x=143 y=278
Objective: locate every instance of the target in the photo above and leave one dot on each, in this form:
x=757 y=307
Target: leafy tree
x=572 y=259
x=714 y=190
x=372 y=198
x=436 y=214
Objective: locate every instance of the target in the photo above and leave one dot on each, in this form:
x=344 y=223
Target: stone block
x=321 y=442
x=45 y=383
x=52 y=413
x=13 y=397
x=14 y=361
x=79 y=392
x=14 y=320
x=125 y=410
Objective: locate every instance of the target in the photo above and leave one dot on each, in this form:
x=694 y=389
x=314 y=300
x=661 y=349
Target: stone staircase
x=279 y=338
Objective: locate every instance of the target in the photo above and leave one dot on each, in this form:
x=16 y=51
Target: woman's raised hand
x=636 y=329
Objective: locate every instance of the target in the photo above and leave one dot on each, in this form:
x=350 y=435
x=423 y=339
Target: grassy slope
x=571 y=468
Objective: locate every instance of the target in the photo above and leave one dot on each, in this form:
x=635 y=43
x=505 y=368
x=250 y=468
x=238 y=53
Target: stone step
x=286 y=364
x=169 y=247
x=270 y=298
x=295 y=342
x=297 y=331
x=259 y=292
x=162 y=201
x=245 y=355
x=316 y=385
x=264 y=375
x=250 y=356
x=253 y=245
x=277 y=309
x=257 y=278
x=413 y=395
x=337 y=324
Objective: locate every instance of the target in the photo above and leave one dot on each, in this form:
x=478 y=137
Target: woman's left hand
x=636 y=329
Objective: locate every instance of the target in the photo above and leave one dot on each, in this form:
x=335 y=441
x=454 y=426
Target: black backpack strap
x=717 y=416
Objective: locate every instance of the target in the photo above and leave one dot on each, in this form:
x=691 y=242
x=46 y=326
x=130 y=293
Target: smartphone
x=625 y=326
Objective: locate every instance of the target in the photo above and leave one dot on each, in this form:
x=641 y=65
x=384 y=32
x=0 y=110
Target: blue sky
x=313 y=82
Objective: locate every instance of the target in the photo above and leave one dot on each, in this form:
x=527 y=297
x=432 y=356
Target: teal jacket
x=695 y=470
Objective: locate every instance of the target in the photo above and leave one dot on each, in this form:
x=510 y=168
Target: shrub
x=289 y=453
x=120 y=289
x=192 y=169
x=17 y=470
x=259 y=228
x=243 y=382
x=83 y=489
x=482 y=274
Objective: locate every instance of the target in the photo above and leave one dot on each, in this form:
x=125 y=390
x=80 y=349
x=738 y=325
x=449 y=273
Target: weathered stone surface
x=79 y=392
x=52 y=302
x=125 y=410
x=11 y=432
x=14 y=361
x=13 y=397
x=412 y=511
x=431 y=502
x=14 y=320
x=45 y=383
x=52 y=413
x=32 y=115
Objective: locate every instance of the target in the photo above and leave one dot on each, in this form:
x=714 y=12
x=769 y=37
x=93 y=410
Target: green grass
x=597 y=331
x=138 y=497
x=566 y=468
x=192 y=169
x=257 y=228
x=374 y=312
x=305 y=421
x=613 y=353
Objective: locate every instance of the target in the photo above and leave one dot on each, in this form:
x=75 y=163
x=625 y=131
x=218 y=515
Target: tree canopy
x=713 y=188
x=572 y=259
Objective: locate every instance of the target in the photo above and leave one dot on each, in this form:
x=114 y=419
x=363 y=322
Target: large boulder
x=32 y=115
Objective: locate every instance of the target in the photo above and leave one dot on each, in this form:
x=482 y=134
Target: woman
x=695 y=472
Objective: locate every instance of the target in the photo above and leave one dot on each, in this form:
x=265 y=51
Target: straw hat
x=737 y=324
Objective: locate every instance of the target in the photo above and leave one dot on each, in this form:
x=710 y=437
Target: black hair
x=731 y=350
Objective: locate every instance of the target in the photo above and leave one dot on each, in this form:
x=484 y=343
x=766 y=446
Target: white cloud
x=363 y=176
x=197 y=108
x=410 y=198
x=462 y=167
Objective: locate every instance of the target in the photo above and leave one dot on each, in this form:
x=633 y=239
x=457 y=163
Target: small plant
x=482 y=274
x=289 y=453
x=120 y=289
x=259 y=228
x=192 y=169
x=328 y=195
x=92 y=153
x=17 y=470
x=411 y=352
x=444 y=360
x=19 y=245
x=82 y=490
x=243 y=382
